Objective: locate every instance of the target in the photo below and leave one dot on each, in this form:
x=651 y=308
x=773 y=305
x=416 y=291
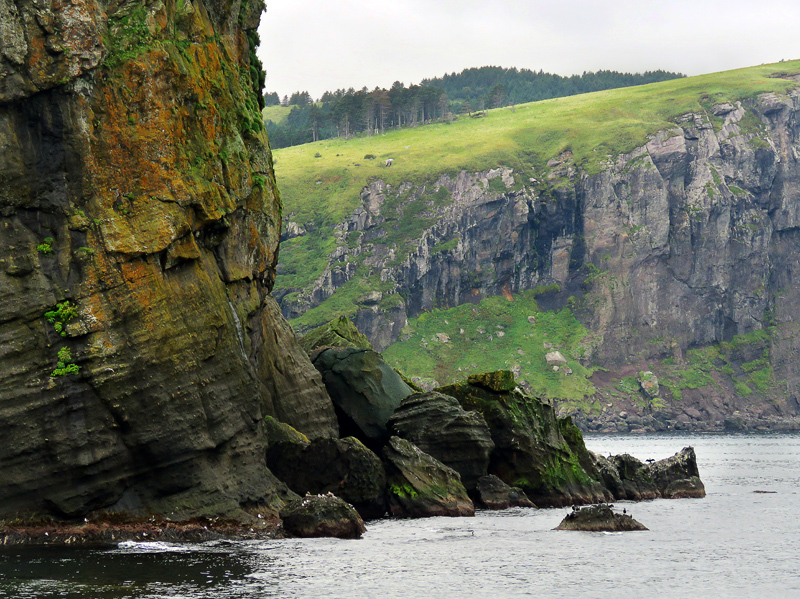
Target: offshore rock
x=599 y=518
x=671 y=478
x=440 y=427
x=344 y=467
x=139 y=229
x=678 y=476
x=420 y=486
x=322 y=516
x=364 y=389
x=534 y=450
x=492 y=493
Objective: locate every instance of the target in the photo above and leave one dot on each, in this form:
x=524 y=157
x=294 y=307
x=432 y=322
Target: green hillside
x=320 y=182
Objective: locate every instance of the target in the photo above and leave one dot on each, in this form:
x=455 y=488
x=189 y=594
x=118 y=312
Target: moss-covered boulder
x=531 y=449
x=599 y=518
x=340 y=332
x=344 y=467
x=420 y=486
x=364 y=389
x=492 y=493
x=440 y=427
x=322 y=516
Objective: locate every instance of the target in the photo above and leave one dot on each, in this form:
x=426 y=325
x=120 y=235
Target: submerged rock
x=440 y=427
x=364 y=389
x=322 y=516
x=492 y=493
x=599 y=518
x=420 y=486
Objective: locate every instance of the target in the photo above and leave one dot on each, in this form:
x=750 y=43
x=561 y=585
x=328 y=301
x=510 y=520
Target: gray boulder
x=420 y=486
x=440 y=427
x=492 y=493
x=322 y=516
x=364 y=389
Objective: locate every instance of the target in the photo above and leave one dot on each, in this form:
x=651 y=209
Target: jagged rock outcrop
x=140 y=224
x=340 y=332
x=533 y=449
x=420 y=486
x=629 y=478
x=684 y=242
x=440 y=427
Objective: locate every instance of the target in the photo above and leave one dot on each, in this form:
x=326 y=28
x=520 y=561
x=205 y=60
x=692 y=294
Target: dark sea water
x=734 y=543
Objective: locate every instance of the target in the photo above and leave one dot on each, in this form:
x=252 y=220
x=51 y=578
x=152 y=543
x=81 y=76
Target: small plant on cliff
x=63 y=314
x=46 y=247
x=65 y=365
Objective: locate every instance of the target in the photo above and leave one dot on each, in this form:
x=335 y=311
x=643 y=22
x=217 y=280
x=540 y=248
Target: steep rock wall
x=687 y=241
x=139 y=209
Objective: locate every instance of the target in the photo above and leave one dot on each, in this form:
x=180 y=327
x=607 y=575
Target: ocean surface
x=742 y=540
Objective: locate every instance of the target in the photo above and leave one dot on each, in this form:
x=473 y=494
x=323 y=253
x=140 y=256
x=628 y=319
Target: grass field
x=277 y=114
x=320 y=182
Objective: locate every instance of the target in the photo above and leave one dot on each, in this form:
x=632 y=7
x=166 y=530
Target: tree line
x=344 y=113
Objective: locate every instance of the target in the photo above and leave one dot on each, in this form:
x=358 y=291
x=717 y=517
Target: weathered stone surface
x=420 y=486
x=344 y=467
x=681 y=243
x=649 y=383
x=628 y=478
x=337 y=333
x=599 y=518
x=364 y=389
x=439 y=426
x=322 y=516
x=131 y=143
x=492 y=493
x=531 y=451
x=678 y=476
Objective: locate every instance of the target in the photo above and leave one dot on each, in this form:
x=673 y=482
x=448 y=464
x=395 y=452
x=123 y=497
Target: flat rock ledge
x=322 y=516
x=109 y=534
x=599 y=518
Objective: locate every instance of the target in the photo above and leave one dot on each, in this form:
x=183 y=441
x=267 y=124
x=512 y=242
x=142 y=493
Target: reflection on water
x=733 y=543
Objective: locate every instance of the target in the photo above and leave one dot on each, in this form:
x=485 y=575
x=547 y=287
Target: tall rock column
x=139 y=226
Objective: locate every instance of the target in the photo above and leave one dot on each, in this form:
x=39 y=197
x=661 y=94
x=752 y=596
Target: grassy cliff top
x=324 y=190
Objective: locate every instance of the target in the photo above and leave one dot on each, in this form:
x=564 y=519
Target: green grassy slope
x=323 y=190
x=512 y=333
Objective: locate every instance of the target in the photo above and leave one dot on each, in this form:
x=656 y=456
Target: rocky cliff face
x=688 y=241
x=140 y=224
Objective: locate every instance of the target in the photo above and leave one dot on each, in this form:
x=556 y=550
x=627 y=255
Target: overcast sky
x=319 y=45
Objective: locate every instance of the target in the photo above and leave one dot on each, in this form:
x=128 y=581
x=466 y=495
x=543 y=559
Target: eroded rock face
x=440 y=427
x=684 y=242
x=534 y=450
x=629 y=478
x=420 y=486
x=139 y=208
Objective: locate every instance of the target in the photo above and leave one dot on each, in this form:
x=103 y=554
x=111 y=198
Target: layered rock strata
x=140 y=225
x=685 y=242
